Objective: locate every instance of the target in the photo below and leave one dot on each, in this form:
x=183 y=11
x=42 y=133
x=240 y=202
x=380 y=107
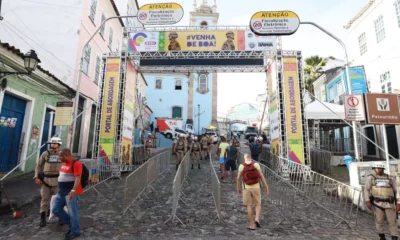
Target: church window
x=176 y=112
x=202 y=82
x=203 y=25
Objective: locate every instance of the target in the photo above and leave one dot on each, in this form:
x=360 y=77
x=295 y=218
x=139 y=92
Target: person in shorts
x=251 y=174
x=221 y=153
x=230 y=163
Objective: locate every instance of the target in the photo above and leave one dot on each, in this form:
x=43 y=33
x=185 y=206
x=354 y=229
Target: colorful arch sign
x=160 y=14
x=274 y=23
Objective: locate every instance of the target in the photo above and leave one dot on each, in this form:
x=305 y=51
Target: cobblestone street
x=105 y=209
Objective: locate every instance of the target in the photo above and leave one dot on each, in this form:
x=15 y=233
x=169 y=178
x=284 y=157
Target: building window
x=86 y=59
x=379 y=29
x=110 y=38
x=397 y=6
x=93 y=7
x=176 y=112
x=202 y=82
x=339 y=87
x=203 y=25
x=362 y=42
x=97 y=70
x=103 y=27
x=386 y=83
x=158 y=83
x=331 y=93
x=117 y=48
x=178 y=84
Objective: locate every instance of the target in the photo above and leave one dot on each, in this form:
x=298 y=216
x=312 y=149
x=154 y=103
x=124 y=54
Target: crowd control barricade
x=139 y=155
x=321 y=160
x=180 y=178
x=336 y=198
x=141 y=179
x=216 y=192
x=101 y=169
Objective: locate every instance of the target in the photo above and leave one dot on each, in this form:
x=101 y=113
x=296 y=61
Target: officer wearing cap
x=380 y=195
x=46 y=176
x=173 y=44
x=195 y=150
x=229 y=45
x=149 y=145
x=180 y=149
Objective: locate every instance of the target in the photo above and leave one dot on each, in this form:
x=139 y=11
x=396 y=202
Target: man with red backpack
x=251 y=173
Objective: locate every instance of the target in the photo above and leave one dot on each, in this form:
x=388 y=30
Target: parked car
x=178 y=131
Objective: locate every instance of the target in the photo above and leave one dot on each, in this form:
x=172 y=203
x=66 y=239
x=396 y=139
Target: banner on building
x=294 y=128
x=109 y=108
x=238 y=40
x=273 y=110
x=128 y=116
x=358 y=80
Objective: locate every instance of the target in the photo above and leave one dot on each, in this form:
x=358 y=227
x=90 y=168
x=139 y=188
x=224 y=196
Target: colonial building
x=191 y=96
x=26 y=105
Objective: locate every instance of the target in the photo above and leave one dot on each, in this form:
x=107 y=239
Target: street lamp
x=31 y=61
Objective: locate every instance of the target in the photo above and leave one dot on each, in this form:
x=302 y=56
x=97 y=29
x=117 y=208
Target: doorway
x=11 y=122
x=392 y=141
x=371 y=149
x=46 y=128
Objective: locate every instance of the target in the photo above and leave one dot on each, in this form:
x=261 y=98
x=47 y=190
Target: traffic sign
x=354 y=108
x=274 y=23
x=160 y=14
x=383 y=108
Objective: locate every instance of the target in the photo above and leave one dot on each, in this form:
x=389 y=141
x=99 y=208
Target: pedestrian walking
x=210 y=145
x=221 y=153
x=254 y=149
x=180 y=149
x=195 y=150
x=70 y=188
x=236 y=143
x=149 y=146
x=204 y=146
x=231 y=154
x=380 y=195
x=46 y=174
x=250 y=173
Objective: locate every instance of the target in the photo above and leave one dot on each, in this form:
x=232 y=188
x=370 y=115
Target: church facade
x=191 y=97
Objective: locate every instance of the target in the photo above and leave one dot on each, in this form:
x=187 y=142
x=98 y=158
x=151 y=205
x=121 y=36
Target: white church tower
x=203 y=90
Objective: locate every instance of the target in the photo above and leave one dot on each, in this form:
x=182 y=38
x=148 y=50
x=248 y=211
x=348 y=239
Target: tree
x=312 y=70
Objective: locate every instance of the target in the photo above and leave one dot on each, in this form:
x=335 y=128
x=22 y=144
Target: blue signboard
x=358 y=80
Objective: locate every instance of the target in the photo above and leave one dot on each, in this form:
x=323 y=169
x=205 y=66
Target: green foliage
x=312 y=70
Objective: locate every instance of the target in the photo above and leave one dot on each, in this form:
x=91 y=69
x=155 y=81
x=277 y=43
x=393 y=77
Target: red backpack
x=250 y=173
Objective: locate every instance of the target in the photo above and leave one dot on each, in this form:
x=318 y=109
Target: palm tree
x=312 y=70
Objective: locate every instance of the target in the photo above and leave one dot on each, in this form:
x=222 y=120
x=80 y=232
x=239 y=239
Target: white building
x=373 y=41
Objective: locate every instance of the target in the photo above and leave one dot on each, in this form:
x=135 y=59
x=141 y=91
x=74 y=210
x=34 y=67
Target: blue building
x=192 y=96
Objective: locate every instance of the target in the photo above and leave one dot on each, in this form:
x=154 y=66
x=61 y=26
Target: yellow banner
x=294 y=128
x=127 y=133
x=109 y=109
x=204 y=41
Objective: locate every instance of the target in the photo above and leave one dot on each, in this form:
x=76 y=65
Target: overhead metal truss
x=186 y=28
x=203 y=55
x=215 y=69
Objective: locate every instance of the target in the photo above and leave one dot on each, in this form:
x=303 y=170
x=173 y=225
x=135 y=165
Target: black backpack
x=85 y=174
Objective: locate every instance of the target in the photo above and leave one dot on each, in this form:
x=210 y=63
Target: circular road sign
x=353 y=101
x=274 y=23
x=160 y=14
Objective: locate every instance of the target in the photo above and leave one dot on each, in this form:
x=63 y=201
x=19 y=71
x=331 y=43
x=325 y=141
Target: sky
x=235 y=88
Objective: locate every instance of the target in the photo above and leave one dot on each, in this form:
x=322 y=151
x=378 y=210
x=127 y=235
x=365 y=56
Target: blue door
x=46 y=126
x=11 y=120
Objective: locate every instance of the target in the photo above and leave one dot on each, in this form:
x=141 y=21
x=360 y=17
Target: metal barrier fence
x=216 y=192
x=180 y=178
x=138 y=155
x=141 y=179
x=321 y=160
x=339 y=199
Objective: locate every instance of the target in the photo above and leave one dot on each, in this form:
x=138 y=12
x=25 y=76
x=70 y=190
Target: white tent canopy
x=316 y=110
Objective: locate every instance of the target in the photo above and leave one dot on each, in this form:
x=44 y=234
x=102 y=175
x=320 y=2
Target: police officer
x=195 y=149
x=229 y=45
x=149 y=145
x=155 y=140
x=380 y=195
x=210 y=145
x=173 y=44
x=189 y=142
x=180 y=149
x=204 y=146
x=46 y=176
